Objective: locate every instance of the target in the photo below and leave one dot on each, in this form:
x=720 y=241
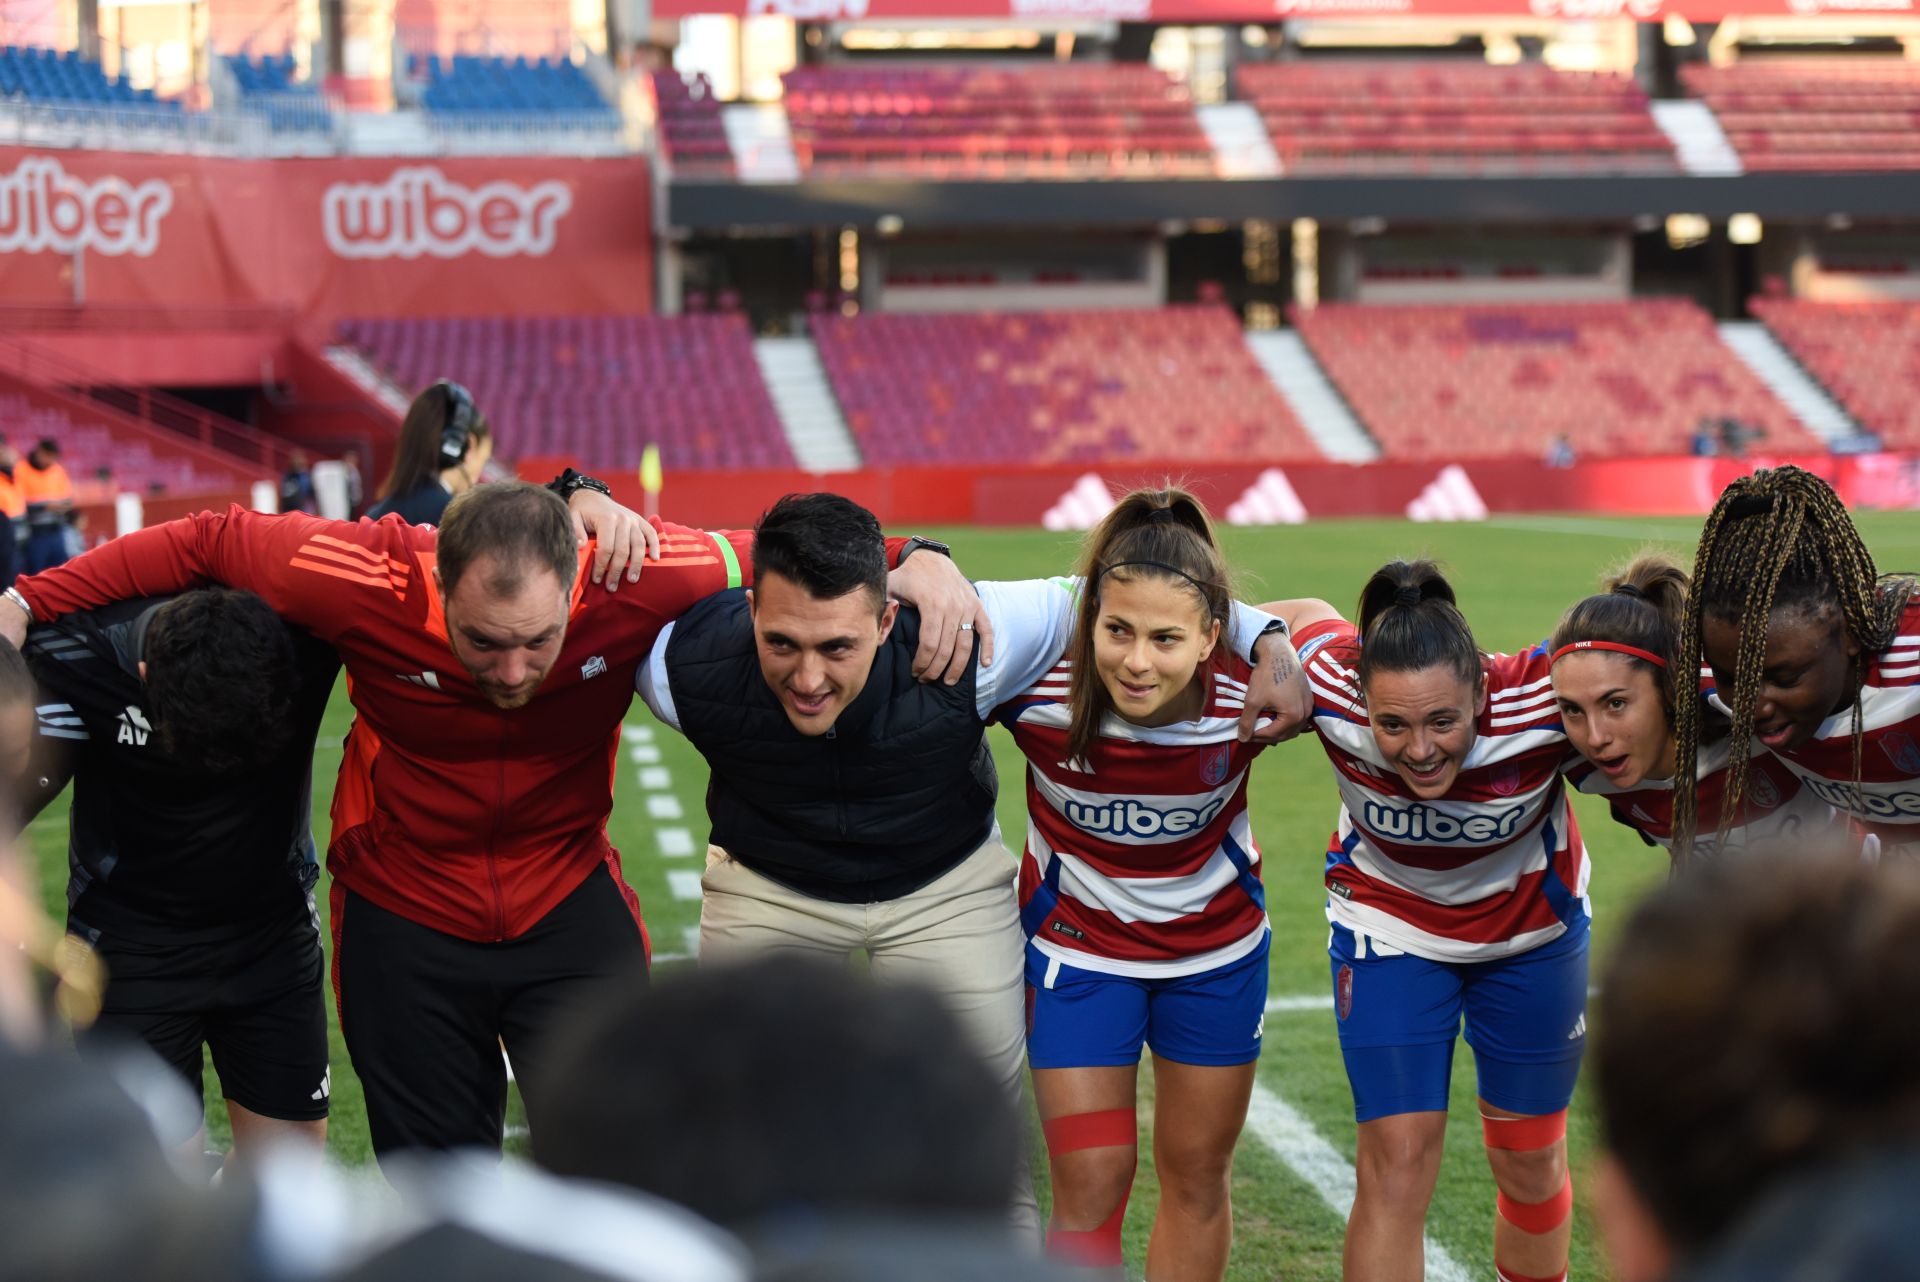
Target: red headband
x=1614 y=646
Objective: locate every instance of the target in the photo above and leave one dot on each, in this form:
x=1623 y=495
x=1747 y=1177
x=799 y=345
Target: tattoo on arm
x=1283 y=668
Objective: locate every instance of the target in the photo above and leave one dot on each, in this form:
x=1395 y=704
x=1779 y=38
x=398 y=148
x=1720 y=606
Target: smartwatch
x=570 y=482
x=916 y=543
x=1277 y=625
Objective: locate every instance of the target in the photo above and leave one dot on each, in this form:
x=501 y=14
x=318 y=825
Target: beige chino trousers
x=959 y=936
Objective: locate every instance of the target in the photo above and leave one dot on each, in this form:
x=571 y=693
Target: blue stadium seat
x=34 y=74
x=270 y=87
x=478 y=91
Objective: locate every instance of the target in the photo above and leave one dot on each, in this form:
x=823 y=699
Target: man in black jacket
x=186 y=726
x=852 y=803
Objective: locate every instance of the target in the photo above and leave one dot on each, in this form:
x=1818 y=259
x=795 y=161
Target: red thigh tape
x=1524 y=1134
x=1538 y=1217
x=1106 y=1129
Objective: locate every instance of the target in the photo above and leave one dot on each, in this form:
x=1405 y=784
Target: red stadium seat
x=1176 y=383
x=1866 y=354
x=1445 y=116
x=596 y=388
x=1488 y=381
x=975 y=122
x=1802 y=114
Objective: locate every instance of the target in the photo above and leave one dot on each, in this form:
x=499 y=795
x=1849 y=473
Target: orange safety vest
x=42 y=485
x=12 y=503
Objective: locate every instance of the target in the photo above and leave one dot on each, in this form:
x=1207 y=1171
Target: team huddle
x=838 y=684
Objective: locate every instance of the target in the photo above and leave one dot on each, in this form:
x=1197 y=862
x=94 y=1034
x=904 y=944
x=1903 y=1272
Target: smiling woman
x=1457 y=889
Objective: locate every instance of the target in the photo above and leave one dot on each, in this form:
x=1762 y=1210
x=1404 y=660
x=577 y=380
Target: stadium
x=1521 y=286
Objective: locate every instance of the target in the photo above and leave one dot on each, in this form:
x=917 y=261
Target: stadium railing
x=149 y=406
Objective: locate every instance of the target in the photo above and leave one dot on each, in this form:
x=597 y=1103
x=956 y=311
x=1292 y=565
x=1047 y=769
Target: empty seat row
x=597 y=389
x=1636 y=377
x=1176 y=383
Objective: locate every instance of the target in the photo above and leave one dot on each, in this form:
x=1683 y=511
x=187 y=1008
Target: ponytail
x=1644 y=607
x=1409 y=620
x=1161 y=534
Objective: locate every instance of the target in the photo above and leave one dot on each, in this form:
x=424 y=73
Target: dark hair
x=416 y=454
x=1643 y=605
x=1162 y=534
x=779 y=1087
x=1756 y=1020
x=46 y=445
x=825 y=543
x=1409 y=621
x=1778 y=539
x=221 y=679
x=525 y=528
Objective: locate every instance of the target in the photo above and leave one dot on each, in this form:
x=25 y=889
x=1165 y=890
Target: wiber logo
x=420 y=211
x=1423 y=823
x=43 y=207
x=1130 y=818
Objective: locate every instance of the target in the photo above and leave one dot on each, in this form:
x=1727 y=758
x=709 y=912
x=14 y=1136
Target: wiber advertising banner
x=326 y=237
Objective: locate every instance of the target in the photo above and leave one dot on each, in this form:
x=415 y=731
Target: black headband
x=1162 y=566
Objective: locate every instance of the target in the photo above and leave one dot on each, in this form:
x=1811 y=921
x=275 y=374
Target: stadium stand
x=268 y=86
x=1815 y=113
x=692 y=137
x=1457 y=382
x=596 y=388
x=1053 y=121
x=479 y=90
x=1432 y=115
x=1051 y=387
x=89 y=449
x=1866 y=354
x=50 y=76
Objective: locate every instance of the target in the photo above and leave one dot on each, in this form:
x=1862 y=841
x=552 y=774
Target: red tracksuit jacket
x=450 y=812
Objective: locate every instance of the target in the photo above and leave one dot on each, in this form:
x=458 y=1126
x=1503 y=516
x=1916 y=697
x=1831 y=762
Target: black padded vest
x=896 y=794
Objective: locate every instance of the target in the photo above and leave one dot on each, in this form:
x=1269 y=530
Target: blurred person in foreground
x=444 y=445
x=1757 y=1062
x=796 y=1104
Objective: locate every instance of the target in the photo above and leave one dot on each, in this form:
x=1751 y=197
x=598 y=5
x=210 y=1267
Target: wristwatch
x=570 y=482
x=915 y=543
x=1275 y=625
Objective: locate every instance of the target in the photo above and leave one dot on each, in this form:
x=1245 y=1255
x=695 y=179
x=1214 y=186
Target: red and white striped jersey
x=1494 y=868
x=1140 y=860
x=1776 y=809
x=1888 y=801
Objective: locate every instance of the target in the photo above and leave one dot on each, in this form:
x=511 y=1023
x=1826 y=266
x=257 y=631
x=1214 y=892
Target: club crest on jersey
x=1213 y=767
x=1762 y=792
x=1343 y=992
x=1901 y=751
x=1506 y=780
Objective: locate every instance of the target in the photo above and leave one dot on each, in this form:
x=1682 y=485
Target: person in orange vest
x=48 y=492
x=13 y=508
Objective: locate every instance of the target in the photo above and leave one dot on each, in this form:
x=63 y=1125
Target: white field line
x=1276 y=1123
x=684 y=883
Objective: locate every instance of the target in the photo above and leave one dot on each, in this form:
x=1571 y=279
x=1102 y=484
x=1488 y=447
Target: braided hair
x=1777 y=539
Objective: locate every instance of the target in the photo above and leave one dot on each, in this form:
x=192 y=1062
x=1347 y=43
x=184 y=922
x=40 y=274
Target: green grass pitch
x=1514 y=577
